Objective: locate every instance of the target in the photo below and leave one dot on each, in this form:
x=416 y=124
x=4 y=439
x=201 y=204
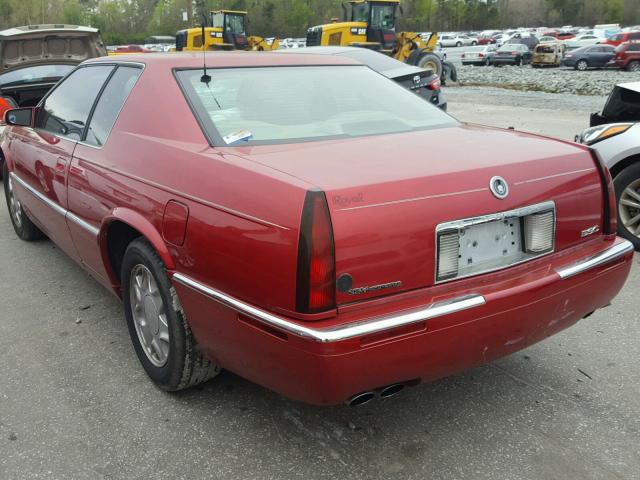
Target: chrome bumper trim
x=609 y=255
x=54 y=206
x=343 y=332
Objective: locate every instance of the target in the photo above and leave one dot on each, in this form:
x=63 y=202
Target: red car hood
x=387 y=193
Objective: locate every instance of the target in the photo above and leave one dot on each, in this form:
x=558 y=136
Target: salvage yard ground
x=75 y=403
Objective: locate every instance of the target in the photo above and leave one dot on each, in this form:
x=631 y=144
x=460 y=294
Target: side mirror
x=20 y=117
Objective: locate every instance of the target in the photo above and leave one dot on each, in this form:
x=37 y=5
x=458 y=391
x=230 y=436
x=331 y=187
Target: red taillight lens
x=462 y=56
x=389 y=37
x=316 y=276
x=4 y=107
x=609 y=212
x=481 y=55
x=434 y=84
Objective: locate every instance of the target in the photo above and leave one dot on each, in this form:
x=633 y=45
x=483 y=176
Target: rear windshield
x=271 y=105
x=38 y=73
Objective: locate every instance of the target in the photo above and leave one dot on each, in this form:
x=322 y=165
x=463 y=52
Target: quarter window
x=66 y=110
x=110 y=103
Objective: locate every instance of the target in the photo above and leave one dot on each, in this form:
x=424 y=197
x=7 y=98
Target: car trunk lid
x=387 y=194
x=48 y=44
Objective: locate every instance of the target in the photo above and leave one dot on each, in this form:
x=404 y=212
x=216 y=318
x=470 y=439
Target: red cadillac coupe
x=307 y=223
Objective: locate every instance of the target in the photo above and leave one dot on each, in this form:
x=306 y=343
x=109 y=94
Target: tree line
x=130 y=21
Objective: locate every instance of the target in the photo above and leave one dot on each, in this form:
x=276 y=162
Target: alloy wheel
x=634 y=67
x=15 y=208
x=149 y=315
x=629 y=208
x=582 y=65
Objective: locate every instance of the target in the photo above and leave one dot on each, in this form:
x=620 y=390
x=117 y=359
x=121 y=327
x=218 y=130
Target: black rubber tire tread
x=187 y=365
x=622 y=180
x=28 y=231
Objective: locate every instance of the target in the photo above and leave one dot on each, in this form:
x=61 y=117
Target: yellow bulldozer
x=227 y=31
x=372 y=24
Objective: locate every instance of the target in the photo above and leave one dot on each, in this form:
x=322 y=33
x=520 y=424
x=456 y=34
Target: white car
x=453 y=41
x=501 y=39
x=615 y=137
x=583 y=41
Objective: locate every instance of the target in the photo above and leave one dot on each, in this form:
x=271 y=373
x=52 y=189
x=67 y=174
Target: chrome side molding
x=342 y=332
x=54 y=206
x=609 y=255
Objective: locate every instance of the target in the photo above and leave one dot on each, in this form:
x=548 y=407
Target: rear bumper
x=615 y=64
x=326 y=364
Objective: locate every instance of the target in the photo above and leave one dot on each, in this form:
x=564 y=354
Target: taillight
x=4 y=107
x=316 y=276
x=389 y=37
x=434 y=84
x=609 y=213
x=481 y=55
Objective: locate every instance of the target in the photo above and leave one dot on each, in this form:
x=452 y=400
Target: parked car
x=423 y=82
x=526 y=39
x=583 y=58
x=583 y=41
x=548 y=54
x=547 y=38
x=480 y=55
x=297 y=234
x=129 y=49
x=452 y=41
x=627 y=56
x=469 y=40
x=615 y=136
x=623 y=37
x=512 y=54
x=500 y=39
x=559 y=35
x=54 y=50
x=486 y=40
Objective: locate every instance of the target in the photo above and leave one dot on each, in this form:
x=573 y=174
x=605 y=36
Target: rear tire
x=634 y=66
x=582 y=65
x=22 y=224
x=627 y=187
x=157 y=325
x=458 y=44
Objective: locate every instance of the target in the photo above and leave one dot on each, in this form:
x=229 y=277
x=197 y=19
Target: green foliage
x=130 y=21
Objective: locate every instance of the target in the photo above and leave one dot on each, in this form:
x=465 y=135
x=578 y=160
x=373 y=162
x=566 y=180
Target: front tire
x=22 y=224
x=627 y=187
x=430 y=61
x=582 y=65
x=158 y=328
x=458 y=44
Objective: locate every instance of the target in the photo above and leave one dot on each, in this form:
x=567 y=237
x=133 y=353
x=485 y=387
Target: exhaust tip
x=361 y=399
x=391 y=390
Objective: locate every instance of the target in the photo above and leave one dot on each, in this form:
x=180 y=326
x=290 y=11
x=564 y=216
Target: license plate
x=488 y=245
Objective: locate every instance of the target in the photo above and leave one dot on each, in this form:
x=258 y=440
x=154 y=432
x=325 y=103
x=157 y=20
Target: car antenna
x=205 y=78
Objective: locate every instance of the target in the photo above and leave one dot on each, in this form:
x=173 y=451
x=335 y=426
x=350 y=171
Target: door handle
x=61 y=165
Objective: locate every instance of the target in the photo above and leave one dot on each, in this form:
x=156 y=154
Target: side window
x=110 y=103
x=66 y=110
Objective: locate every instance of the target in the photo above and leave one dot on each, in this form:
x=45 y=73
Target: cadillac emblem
x=499 y=187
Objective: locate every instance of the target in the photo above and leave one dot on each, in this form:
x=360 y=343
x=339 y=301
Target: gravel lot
x=551 y=80
x=74 y=403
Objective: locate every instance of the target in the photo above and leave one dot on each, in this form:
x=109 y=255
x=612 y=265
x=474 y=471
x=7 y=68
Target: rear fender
x=143 y=226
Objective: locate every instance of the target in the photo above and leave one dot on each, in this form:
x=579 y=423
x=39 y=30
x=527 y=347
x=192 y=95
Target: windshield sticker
x=237 y=137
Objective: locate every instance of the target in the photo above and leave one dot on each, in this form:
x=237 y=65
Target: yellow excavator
x=372 y=24
x=226 y=32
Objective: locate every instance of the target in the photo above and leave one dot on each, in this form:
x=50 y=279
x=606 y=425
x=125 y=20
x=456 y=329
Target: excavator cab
x=231 y=23
x=380 y=17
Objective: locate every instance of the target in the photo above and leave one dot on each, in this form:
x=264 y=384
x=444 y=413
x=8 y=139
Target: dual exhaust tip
x=384 y=392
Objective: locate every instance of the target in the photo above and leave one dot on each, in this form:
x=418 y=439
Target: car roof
x=225 y=59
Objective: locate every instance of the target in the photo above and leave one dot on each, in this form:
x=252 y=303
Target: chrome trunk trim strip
x=343 y=332
x=609 y=255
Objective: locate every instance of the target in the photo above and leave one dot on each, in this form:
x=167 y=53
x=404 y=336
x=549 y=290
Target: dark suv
x=627 y=57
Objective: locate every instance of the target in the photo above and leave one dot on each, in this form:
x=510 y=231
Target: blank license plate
x=490 y=244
